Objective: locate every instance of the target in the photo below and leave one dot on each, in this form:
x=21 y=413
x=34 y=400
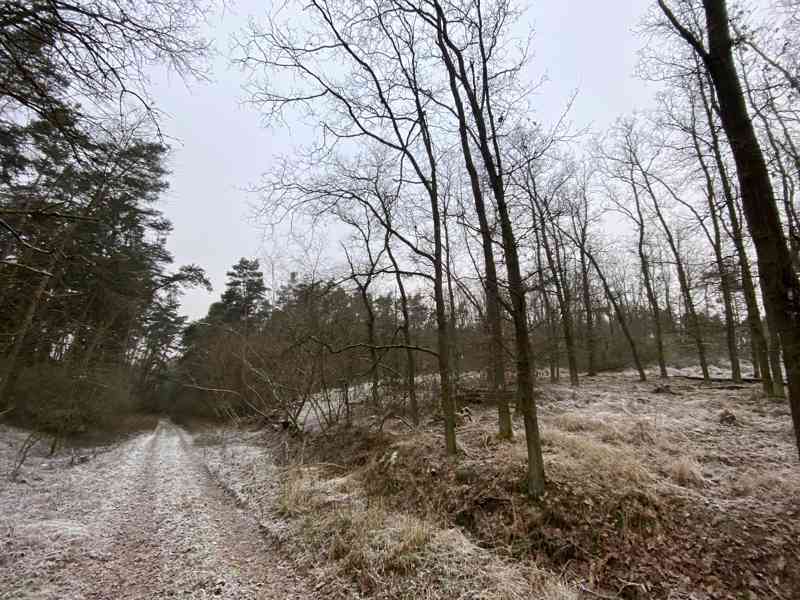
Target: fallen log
x=734 y=386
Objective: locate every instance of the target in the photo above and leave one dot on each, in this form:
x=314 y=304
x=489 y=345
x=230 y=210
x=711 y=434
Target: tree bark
x=757 y=338
x=591 y=342
x=411 y=364
x=683 y=280
x=496 y=367
x=551 y=328
x=652 y=298
x=482 y=115
x=716 y=243
x=620 y=315
x=779 y=282
x=564 y=302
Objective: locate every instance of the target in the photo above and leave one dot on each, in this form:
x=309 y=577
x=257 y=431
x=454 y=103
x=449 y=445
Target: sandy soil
x=141 y=520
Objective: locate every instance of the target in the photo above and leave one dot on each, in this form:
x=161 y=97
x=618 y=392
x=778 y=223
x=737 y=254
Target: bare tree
x=369 y=109
x=471 y=77
x=625 y=173
x=580 y=220
x=779 y=282
x=686 y=122
x=583 y=244
x=550 y=238
x=757 y=337
x=646 y=180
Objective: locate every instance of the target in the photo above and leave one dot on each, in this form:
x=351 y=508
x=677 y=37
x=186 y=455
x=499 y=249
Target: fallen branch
x=12 y=263
x=716 y=379
x=586 y=590
x=333 y=350
x=22 y=453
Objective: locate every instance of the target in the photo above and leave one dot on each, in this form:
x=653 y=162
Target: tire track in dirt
x=153 y=525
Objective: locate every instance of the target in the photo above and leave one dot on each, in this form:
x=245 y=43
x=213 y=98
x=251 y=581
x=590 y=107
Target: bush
x=51 y=399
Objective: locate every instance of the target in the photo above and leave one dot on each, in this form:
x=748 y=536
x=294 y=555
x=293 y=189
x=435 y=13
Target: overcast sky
x=220 y=147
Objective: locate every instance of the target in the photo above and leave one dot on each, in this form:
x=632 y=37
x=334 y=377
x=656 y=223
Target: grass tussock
x=369 y=543
x=686 y=472
x=372 y=549
x=637 y=432
x=577 y=422
x=296 y=496
x=764 y=484
x=601 y=491
x=596 y=459
x=625 y=491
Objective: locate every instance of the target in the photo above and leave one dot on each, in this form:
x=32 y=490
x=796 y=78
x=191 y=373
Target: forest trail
x=143 y=520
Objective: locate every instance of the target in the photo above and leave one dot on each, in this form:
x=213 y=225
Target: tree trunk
x=496 y=368
x=519 y=314
x=552 y=330
x=774 y=351
x=716 y=243
x=411 y=370
x=10 y=373
x=374 y=357
x=652 y=299
x=481 y=111
x=564 y=303
x=620 y=316
x=755 y=326
x=683 y=280
x=455 y=365
x=591 y=342
x=779 y=282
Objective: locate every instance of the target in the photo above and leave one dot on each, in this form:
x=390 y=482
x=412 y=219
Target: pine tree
x=245 y=292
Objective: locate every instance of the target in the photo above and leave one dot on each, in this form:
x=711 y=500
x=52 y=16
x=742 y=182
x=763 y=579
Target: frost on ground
x=656 y=489
x=355 y=548
x=140 y=520
x=669 y=490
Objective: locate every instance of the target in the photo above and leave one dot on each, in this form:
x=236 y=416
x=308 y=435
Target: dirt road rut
x=141 y=521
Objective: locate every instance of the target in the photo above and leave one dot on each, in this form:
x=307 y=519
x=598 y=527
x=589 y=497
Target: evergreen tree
x=245 y=293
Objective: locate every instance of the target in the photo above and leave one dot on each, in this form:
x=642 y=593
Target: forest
x=518 y=358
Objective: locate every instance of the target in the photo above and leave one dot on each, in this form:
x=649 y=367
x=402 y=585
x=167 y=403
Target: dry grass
x=642 y=432
x=296 y=495
x=576 y=422
x=624 y=475
x=597 y=460
x=785 y=482
x=687 y=472
x=372 y=549
x=369 y=542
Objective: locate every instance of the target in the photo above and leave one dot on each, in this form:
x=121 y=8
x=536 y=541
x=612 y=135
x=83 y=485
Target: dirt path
x=141 y=521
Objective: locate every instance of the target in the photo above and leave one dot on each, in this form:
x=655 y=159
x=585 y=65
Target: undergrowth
x=648 y=496
x=368 y=547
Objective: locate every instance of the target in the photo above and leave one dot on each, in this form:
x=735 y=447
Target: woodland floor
x=687 y=492
x=138 y=520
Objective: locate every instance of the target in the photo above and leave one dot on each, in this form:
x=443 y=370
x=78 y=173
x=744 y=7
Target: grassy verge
x=648 y=496
x=364 y=547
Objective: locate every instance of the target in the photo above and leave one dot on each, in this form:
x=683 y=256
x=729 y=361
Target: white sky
x=220 y=147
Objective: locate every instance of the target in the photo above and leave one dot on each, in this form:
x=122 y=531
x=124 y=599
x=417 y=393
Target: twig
x=326 y=464
x=22 y=454
x=586 y=590
x=12 y=263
